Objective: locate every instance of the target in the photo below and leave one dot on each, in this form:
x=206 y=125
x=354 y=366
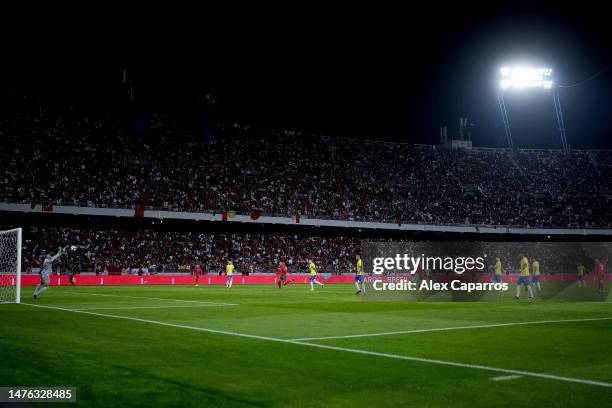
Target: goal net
x=10 y=266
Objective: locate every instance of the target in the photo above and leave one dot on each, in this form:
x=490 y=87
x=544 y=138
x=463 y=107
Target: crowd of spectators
x=70 y=159
x=147 y=251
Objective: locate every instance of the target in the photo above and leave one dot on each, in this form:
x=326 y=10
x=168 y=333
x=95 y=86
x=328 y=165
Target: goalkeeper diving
x=46 y=271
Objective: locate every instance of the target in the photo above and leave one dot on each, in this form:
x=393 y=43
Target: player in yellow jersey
x=360 y=277
x=498 y=270
x=523 y=278
x=229 y=271
x=581 y=271
x=313 y=274
x=535 y=274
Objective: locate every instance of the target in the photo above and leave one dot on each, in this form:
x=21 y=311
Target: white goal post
x=10 y=266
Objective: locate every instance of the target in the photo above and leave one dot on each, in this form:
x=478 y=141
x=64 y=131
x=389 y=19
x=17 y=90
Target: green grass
x=118 y=362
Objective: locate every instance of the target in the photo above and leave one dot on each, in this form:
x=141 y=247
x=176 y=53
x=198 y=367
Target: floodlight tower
x=560 y=121
x=525 y=78
x=504 y=113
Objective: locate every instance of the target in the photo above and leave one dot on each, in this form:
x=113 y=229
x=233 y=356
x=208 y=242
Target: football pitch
x=255 y=346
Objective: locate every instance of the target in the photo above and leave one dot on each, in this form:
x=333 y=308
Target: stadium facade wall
x=317 y=222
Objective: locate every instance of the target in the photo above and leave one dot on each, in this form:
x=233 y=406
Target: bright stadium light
x=525 y=78
x=521 y=77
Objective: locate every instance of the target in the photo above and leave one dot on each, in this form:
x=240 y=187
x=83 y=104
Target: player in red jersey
x=282 y=276
x=196 y=274
x=600 y=272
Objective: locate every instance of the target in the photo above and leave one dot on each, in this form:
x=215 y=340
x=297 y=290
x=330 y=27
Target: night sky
x=392 y=75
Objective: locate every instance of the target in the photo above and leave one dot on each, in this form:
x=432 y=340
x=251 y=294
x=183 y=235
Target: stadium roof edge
x=474 y=148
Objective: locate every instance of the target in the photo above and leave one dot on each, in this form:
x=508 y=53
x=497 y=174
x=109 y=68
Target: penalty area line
x=149 y=307
x=76 y=293
x=343 y=349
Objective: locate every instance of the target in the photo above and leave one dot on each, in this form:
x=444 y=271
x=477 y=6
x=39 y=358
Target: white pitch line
x=152 y=298
x=480 y=326
x=505 y=377
x=152 y=307
x=349 y=350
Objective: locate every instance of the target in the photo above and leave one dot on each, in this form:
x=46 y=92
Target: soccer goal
x=10 y=266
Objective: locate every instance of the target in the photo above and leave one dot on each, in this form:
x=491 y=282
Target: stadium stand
x=148 y=251
x=116 y=251
x=70 y=159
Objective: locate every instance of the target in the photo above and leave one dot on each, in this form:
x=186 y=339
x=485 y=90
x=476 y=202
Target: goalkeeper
x=46 y=271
